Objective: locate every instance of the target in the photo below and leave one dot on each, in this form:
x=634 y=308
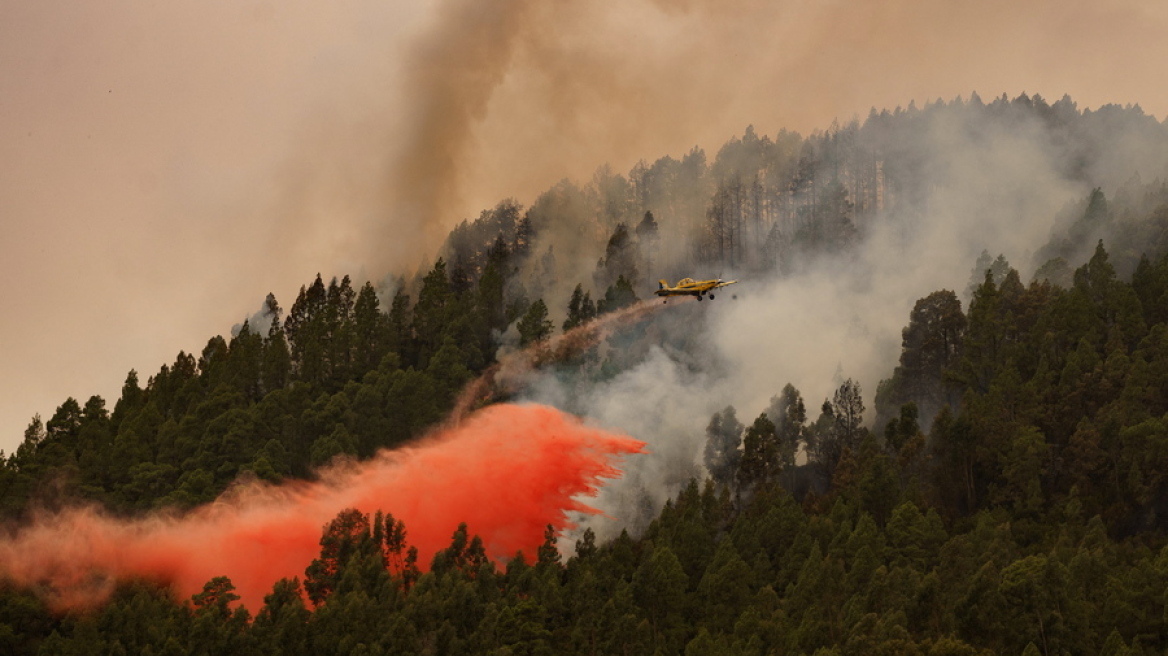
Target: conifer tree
x=581 y=309
x=620 y=295
x=760 y=453
x=535 y=326
x=722 y=453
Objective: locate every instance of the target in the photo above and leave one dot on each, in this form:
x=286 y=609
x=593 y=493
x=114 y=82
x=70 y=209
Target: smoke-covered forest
x=931 y=418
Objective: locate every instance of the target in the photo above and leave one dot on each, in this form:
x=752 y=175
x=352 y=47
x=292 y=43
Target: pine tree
x=581 y=309
x=647 y=240
x=789 y=415
x=619 y=295
x=760 y=453
x=535 y=326
x=723 y=439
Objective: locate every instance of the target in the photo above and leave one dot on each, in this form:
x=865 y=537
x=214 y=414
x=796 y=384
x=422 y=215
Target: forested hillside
x=1003 y=489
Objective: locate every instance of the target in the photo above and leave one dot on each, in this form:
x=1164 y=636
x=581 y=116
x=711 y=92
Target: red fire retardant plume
x=507 y=471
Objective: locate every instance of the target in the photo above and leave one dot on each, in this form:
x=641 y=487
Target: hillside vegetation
x=1011 y=495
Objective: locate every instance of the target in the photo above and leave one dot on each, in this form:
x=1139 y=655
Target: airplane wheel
x=699 y=298
x=711 y=297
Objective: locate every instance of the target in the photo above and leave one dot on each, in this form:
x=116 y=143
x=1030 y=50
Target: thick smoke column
x=455 y=69
x=507 y=471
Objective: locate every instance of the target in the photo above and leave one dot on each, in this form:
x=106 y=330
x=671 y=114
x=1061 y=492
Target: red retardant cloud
x=507 y=471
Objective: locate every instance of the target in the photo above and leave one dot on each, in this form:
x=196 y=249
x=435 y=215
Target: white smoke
x=994 y=186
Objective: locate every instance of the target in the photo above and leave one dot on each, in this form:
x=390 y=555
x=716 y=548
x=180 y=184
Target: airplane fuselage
x=691 y=287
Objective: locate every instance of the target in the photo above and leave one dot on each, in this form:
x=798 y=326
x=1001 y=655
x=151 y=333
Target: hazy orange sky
x=165 y=165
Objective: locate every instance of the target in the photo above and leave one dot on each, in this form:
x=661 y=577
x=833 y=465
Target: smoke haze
x=985 y=182
x=165 y=166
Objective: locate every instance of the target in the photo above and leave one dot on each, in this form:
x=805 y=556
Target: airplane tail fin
x=660 y=284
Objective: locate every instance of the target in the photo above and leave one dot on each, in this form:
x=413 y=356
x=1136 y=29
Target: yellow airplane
x=691 y=287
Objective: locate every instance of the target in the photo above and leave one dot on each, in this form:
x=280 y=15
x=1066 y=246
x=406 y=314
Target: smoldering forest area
x=929 y=417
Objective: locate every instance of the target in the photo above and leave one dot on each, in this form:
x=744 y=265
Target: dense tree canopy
x=1011 y=498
